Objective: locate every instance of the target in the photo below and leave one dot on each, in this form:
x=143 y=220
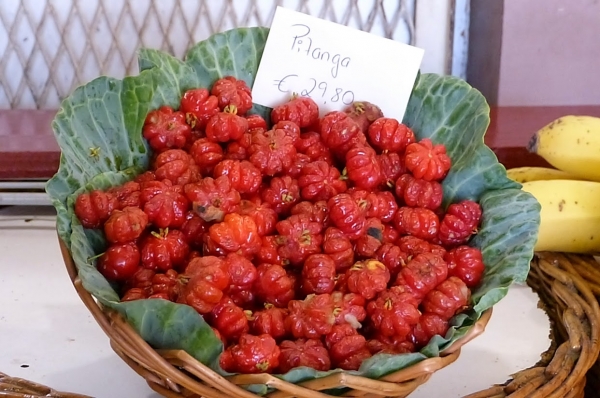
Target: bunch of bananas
x=570 y=194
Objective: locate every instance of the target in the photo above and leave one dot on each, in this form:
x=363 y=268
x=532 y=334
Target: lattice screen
x=48 y=47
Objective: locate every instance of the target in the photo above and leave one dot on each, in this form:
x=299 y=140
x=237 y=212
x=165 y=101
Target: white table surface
x=48 y=336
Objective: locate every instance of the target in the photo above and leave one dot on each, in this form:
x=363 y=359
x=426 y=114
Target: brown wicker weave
x=176 y=374
x=566 y=285
x=14 y=387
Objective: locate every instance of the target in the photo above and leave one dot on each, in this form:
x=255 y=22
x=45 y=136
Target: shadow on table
x=476 y=369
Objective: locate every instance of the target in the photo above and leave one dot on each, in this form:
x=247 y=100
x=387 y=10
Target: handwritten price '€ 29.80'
x=318 y=91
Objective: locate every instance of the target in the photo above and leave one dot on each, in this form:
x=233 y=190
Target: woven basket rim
x=17 y=387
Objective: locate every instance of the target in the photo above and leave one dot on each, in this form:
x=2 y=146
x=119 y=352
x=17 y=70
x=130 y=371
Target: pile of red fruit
x=316 y=242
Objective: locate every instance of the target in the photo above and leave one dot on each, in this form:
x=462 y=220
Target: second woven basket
x=566 y=285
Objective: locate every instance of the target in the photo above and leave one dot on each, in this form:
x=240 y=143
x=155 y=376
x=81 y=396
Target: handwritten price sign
x=323 y=93
x=334 y=65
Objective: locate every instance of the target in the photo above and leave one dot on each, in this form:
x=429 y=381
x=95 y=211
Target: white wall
x=550 y=53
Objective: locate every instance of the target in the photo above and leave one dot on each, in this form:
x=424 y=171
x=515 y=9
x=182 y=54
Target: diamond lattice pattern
x=49 y=47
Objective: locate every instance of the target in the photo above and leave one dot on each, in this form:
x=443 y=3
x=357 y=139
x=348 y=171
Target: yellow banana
x=526 y=174
x=570 y=215
x=571 y=144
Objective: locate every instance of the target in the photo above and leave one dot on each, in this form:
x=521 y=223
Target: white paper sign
x=335 y=65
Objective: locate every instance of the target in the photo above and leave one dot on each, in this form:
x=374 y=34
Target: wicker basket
x=176 y=374
x=14 y=387
x=566 y=285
